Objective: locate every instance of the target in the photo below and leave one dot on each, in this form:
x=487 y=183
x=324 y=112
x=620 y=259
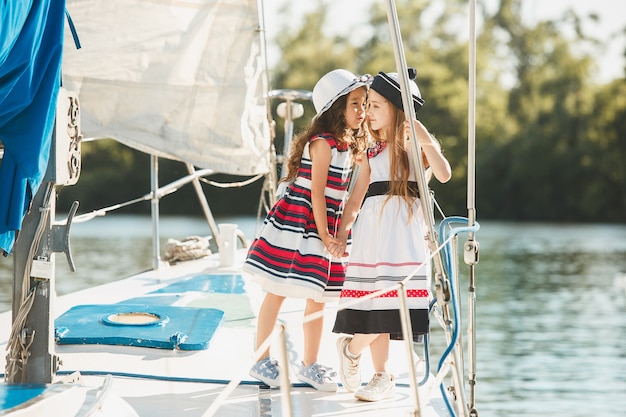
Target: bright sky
x=344 y=16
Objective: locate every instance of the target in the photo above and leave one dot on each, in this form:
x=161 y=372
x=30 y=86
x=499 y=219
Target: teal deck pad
x=12 y=395
x=210 y=283
x=142 y=325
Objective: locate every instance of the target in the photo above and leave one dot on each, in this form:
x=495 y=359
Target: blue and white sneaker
x=267 y=371
x=318 y=376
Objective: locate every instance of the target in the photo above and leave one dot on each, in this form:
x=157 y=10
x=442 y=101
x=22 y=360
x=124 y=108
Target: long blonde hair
x=399 y=164
x=331 y=121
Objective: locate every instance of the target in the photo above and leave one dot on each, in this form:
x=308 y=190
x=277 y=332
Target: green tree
x=433 y=45
x=606 y=154
x=541 y=168
x=308 y=52
x=110 y=174
x=549 y=140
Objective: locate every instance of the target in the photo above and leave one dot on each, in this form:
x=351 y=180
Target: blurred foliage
x=114 y=174
x=549 y=139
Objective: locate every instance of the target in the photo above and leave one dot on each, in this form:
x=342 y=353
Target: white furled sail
x=184 y=80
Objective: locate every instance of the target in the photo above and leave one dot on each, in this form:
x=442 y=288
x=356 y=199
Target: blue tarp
x=31 y=47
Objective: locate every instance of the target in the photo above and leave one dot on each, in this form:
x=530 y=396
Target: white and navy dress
x=288 y=257
x=386 y=248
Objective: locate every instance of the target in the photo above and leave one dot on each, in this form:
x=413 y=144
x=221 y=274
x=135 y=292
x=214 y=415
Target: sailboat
x=188 y=81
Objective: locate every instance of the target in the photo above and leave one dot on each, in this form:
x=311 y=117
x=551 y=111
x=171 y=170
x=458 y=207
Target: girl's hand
x=335 y=247
x=338 y=250
x=407 y=129
x=423 y=137
x=431 y=151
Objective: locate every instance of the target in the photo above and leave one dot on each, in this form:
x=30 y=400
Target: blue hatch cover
x=143 y=325
x=12 y=395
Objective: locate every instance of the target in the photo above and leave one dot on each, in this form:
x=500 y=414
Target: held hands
x=336 y=247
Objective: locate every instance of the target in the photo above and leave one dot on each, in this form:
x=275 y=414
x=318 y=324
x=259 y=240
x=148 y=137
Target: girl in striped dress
x=388 y=240
x=292 y=256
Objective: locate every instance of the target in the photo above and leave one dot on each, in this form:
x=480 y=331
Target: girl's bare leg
x=312 y=331
x=379 y=350
x=268 y=314
x=360 y=342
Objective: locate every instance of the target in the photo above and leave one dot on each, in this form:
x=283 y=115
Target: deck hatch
x=141 y=325
x=135 y=318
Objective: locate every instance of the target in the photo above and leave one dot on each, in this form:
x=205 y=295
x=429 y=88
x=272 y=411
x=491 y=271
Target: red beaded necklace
x=378 y=148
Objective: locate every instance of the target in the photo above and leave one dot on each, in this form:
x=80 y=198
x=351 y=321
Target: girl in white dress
x=388 y=239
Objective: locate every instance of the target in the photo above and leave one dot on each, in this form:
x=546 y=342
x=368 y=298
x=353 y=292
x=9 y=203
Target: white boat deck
x=160 y=382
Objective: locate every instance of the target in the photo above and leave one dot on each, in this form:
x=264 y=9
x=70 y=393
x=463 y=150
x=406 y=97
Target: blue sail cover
x=31 y=47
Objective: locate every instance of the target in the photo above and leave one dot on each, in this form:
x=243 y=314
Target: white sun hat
x=334 y=85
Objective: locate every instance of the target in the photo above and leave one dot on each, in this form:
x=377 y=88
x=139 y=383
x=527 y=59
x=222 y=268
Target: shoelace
x=378 y=377
x=353 y=363
x=271 y=365
x=323 y=370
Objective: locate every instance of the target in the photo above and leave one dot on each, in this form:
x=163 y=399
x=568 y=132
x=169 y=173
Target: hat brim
x=390 y=89
x=355 y=84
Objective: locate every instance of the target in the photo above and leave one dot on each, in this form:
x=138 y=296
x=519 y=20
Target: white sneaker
x=349 y=371
x=381 y=387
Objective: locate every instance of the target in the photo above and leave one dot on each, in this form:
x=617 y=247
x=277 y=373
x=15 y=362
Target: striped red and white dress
x=386 y=248
x=288 y=257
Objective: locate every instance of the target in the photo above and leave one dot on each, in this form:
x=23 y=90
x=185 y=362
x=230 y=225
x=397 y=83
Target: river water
x=550 y=309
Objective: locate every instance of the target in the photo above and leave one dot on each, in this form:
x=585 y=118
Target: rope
x=232 y=184
x=163 y=191
x=18 y=345
x=193 y=247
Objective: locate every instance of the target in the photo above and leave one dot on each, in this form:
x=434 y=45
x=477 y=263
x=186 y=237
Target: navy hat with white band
x=388 y=86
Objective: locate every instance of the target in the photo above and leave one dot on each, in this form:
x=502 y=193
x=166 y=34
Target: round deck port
x=135 y=318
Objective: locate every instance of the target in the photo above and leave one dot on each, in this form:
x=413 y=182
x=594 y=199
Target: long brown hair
x=331 y=121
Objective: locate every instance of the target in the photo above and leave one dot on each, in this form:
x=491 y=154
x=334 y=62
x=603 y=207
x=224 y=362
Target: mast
x=31 y=357
x=470 y=249
x=445 y=292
